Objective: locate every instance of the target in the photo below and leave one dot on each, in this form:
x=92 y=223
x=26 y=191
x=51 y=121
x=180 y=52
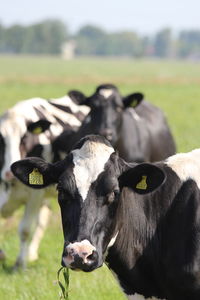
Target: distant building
x=68 y=50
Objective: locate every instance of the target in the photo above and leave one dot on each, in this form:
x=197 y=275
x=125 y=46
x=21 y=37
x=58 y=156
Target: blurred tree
x=2 y=38
x=124 y=44
x=46 y=37
x=189 y=43
x=163 y=43
x=14 y=38
x=49 y=36
x=91 y=40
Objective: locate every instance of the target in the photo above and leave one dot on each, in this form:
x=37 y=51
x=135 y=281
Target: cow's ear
x=143 y=178
x=78 y=97
x=39 y=126
x=133 y=100
x=34 y=172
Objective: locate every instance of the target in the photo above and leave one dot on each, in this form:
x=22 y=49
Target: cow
x=137 y=129
x=142 y=219
x=29 y=129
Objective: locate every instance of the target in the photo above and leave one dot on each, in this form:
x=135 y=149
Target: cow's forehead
x=106 y=93
x=89 y=161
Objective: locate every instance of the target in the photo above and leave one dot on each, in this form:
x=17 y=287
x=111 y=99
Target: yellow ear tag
x=142 y=185
x=37 y=130
x=134 y=103
x=35 y=177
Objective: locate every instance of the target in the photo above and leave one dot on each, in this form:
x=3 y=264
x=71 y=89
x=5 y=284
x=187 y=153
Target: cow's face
x=88 y=193
x=90 y=181
x=107 y=107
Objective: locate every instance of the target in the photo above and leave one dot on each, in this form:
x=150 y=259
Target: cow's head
x=107 y=106
x=89 y=181
x=18 y=139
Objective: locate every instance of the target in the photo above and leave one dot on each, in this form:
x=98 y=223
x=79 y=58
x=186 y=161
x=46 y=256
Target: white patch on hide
x=186 y=165
x=134 y=114
x=112 y=241
x=75 y=108
x=13 y=125
x=106 y=93
x=89 y=162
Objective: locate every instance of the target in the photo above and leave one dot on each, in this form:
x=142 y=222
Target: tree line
x=49 y=36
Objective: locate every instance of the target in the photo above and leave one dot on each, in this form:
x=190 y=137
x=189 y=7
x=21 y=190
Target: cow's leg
x=42 y=222
x=28 y=223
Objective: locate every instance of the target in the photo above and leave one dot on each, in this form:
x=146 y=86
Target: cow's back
x=161 y=144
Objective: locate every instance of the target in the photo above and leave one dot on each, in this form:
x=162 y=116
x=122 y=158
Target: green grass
x=38 y=281
x=173 y=86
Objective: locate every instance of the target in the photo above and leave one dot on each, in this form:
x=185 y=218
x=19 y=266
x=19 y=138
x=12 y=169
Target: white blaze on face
x=89 y=162
x=106 y=93
x=186 y=165
x=140 y=297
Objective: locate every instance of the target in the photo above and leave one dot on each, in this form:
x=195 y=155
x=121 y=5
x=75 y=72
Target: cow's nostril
x=92 y=256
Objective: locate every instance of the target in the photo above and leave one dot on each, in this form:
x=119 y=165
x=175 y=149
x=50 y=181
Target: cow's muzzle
x=80 y=256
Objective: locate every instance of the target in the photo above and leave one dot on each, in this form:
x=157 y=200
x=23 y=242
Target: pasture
x=173 y=86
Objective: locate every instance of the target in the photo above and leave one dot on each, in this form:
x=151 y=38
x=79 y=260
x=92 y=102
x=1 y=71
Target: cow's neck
x=131 y=144
x=127 y=257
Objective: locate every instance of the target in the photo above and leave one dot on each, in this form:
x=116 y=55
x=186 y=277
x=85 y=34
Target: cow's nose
x=9 y=175
x=107 y=133
x=82 y=261
x=79 y=255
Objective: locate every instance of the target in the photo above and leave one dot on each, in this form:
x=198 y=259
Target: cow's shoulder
x=186 y=165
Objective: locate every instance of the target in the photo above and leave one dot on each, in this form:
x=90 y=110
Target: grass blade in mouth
x=64 y=286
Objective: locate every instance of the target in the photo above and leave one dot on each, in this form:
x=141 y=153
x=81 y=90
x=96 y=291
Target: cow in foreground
x=137 y=129
x=142 y=219
x=29 y=129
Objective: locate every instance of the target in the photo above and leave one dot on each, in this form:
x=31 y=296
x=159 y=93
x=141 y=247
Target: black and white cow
x=137 y=129
x=28 y=129
x=142 y=219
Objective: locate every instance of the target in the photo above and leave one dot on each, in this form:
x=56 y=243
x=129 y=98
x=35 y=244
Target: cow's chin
x=82 y=267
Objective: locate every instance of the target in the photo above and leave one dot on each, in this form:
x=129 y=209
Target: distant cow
x=142 y=219
x=28 y=129
x=136 y=129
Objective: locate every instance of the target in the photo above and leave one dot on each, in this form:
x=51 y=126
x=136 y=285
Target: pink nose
x=83 y=250
x=9 y=175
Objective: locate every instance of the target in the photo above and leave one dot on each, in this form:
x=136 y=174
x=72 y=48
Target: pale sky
x=143 y=16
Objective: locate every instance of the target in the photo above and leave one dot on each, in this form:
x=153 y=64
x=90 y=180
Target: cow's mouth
x=79 y=265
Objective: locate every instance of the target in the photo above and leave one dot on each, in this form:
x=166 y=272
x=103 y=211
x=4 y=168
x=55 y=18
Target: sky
x=142 y=16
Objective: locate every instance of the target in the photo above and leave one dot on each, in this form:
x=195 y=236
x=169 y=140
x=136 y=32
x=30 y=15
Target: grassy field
x=173 y=86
